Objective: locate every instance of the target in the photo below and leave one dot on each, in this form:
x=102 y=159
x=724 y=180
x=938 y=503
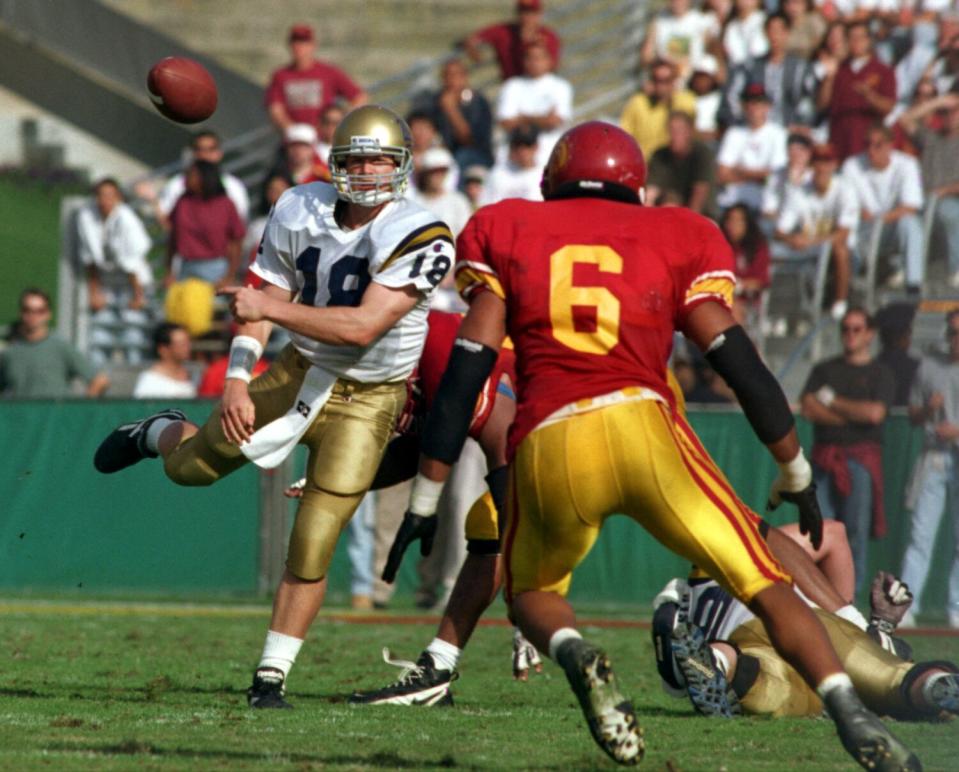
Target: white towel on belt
x=271 y=444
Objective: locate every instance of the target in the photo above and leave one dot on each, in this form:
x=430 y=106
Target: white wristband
x=796 y=474
x=244 y=353
x=425 y=496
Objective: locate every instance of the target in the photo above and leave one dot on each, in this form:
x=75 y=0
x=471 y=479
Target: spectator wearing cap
x=744 y=37
x=646 y=114
x=939 y=160
x=888 y=187
x=807 y=27
x=519 y=175
x=680 y=34
x=749 y=154
x=704 y=84
x=894 y=322
x=787 y=78
x=782 y=182
x=510 y=39
x=299 y=91
x=822 y=209
x=474 y=178
x=463 y=116
x=433 y=193
x=861 y=93
x=681 y=173
x=537 y=99
x=300 y=162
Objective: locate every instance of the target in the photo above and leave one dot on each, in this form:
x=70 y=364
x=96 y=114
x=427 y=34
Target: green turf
x=157 y=691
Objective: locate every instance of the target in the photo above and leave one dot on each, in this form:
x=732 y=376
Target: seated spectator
x=939 y=159
x=681 y=173
x=894 y=322
x=519 y=176
x=824 y=208
x=204 y=146
x=330 y=118
x=807 y=27
x=945 y=68
x=862 y=92
x=932 y=119
x=273 y=187
x=206 y=232
x=298 y=92
x=537 y=99
x=744 y=37
x=113 y=246
x=751 y=253
x=704 y=84
x=888 y=189
x=300 y=161
x=788 y=80
x=509 y=39
x=39 y=364
x=168 y=377
x=474 y=178
x=646 y=114
x=678 y=34
x=749 y=154
x=431 y=191
x=462 y=115
x=425 y=135
x=786 y=180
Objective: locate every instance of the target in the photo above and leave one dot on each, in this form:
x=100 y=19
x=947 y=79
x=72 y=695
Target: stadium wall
x=66 y=528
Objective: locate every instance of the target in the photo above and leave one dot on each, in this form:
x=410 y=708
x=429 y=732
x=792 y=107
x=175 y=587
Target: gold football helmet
x=371 y=130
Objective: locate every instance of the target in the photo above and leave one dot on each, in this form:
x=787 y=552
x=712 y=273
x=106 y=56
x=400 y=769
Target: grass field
x=162 y=687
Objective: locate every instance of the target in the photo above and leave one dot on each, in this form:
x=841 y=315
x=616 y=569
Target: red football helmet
x=595 y=159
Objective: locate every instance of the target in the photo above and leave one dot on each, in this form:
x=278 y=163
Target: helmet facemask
x=370 y=189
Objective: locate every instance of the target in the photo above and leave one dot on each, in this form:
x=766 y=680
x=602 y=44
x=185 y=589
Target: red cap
x=301 y=32
x=529 y=5
x=824 y=152
x=755 y=92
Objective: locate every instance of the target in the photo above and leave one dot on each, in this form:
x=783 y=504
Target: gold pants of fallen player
x=346 y=442
x=780 y=690
x=639 y=459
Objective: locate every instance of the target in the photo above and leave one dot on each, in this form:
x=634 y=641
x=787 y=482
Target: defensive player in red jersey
x=590 y=286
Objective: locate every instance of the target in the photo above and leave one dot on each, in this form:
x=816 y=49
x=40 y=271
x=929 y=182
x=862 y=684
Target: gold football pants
x=780 y=691
x=636 y=458
x=346 y=442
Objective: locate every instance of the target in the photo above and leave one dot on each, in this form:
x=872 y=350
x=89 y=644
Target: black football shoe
x=420 y=683
x=865 y=737
x=267 y=690
x=126 y=445
x=610 y=716
x=707 y=687
x=942 y=690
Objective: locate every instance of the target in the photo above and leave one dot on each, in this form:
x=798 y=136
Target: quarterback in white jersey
x=348 y=269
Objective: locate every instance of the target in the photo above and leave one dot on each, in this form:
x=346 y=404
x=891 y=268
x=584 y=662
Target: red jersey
x=201 y=229
x=507 y=42
x=305 y=93
x=594 y=290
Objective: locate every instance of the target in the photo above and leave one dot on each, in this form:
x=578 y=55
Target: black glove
x=810 y=516
x=413 y=527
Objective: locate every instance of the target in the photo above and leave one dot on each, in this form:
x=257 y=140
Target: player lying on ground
x=740 y=672
x=590 y=286
x=348 y=269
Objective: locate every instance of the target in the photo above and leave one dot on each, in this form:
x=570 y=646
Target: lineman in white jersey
x=348 y=269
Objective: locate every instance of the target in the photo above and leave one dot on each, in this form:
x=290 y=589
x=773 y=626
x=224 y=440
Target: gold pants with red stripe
x=639 y=459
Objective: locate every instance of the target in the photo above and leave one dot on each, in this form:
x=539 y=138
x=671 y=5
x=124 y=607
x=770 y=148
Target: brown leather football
x=182 y=89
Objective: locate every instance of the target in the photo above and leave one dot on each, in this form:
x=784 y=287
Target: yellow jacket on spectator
x=647 y=122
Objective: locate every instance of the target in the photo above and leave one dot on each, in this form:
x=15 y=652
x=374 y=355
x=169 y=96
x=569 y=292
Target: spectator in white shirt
x=519 y=176
x=168 y=378
x=431 y=191
x=749 y=154
x=822 y=209
x=744 y=37
x=679 y=34
x=791 y=177
x=888 y=187
x=704 y=83
x=205 y=146
x=537 y=99
x=113 y=246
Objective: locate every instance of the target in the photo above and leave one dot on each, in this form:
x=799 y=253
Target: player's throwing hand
x=246 y=304
x=237 y=412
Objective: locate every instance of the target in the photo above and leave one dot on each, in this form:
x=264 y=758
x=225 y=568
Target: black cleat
x=420 y=683
x=267 y=690
x=707 y=687
x=865 y=737
x=610 y=716
x=126 y=445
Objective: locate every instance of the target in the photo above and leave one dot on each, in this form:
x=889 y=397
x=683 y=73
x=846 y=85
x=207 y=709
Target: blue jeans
x=854 y=511
x=360 y=548
x=947 y=213
x=933 y=477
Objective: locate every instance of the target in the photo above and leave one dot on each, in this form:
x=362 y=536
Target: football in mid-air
x=182 y=89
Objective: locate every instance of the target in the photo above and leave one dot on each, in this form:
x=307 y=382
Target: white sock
x=851 y=614
x=280 y=651
x=154 y=432
x=445 y=655
x=722 y=661
x=831 y=682
x=559 y=638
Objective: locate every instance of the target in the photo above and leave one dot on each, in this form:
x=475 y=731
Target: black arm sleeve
x=452 y=411
x=735 y=358
x=399 y=462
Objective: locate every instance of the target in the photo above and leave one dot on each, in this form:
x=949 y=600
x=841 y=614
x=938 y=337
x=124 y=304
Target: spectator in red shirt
x=751 y=252
x=206 y=232
x=509 y=39
x=861 y=93
x=299 y=92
